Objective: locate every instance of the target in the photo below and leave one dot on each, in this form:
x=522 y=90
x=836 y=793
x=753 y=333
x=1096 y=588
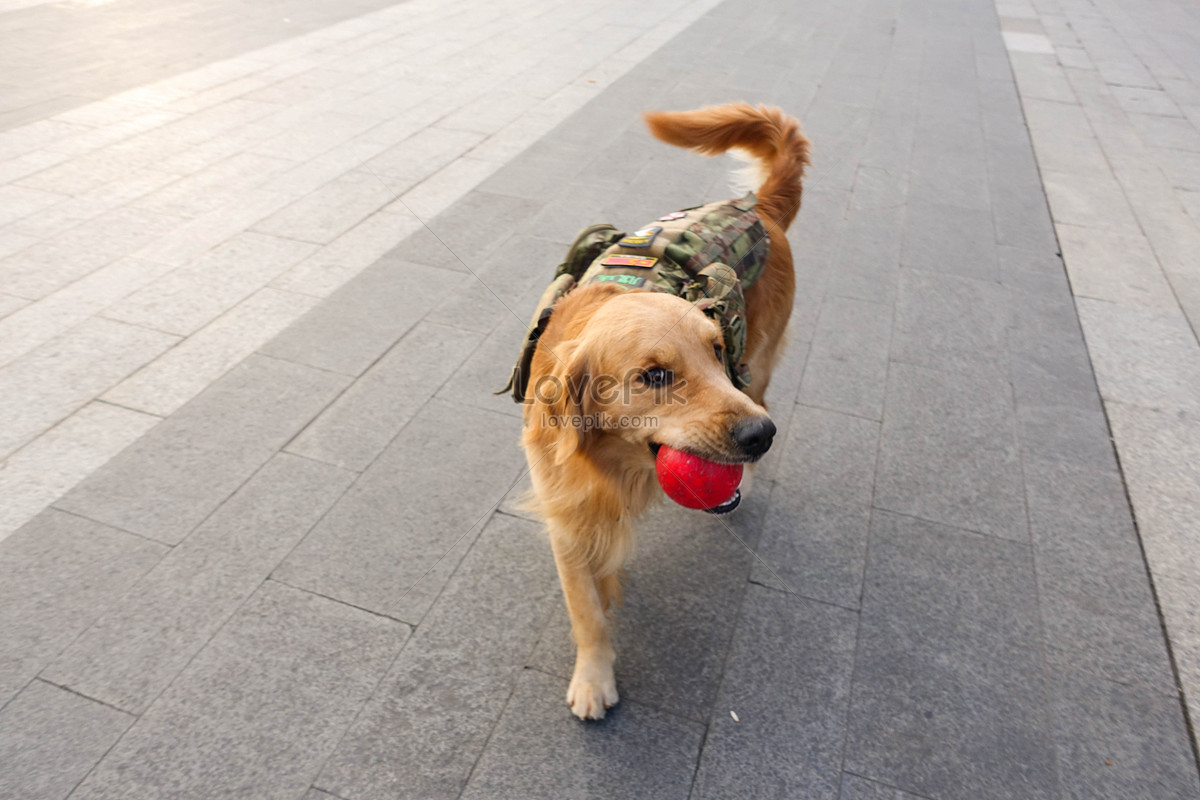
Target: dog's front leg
x=593 y=687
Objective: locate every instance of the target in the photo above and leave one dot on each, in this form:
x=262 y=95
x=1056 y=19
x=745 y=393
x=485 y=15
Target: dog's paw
x=590 y=699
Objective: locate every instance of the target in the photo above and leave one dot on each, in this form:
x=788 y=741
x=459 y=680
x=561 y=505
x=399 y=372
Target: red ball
x=696 y=482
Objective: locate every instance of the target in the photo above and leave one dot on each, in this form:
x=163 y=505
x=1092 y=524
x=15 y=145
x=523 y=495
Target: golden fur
x=590 y=484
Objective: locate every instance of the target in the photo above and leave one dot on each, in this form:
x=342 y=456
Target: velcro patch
x=674 y=215
x=643 y=262
x=641 y=238
x=628 y=281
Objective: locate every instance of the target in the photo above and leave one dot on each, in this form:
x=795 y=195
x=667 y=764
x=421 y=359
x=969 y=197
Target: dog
x=616 y=369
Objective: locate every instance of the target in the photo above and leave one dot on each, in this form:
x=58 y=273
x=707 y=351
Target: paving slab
x=647 y=753
x=267 y=699
x=64 y=572
x=51 y=738
x=362 y=320
x=673 y=630
x=787 y=681
x=948 y=452
x=132 y=653
x=428 y=722
x=357 y=426
x=947 y=670
x=393 y=540
x=174 y=477
x=1120 y=741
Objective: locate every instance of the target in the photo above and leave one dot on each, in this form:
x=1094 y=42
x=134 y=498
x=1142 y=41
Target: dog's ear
x=563 y=399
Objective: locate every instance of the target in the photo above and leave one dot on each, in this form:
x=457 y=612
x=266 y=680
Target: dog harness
x=707 y=255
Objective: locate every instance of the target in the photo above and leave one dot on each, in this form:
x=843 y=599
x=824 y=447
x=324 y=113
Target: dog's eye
x=657 y=376
x=719 y=351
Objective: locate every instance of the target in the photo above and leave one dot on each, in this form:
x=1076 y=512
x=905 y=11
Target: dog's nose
x=754 y=436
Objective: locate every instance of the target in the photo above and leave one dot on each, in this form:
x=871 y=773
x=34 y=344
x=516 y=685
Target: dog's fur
x=589 y=485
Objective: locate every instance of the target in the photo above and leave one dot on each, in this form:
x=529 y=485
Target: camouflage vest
x=706 y=255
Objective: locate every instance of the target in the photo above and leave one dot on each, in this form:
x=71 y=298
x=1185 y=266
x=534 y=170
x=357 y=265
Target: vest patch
x=674 y=215
x=644 y=262
x=629 y=281
x=642 y=238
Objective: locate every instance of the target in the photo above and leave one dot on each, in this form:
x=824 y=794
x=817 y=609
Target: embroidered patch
x=642 y=238
x=629 y=281
x=674 y=215
x=643 y=262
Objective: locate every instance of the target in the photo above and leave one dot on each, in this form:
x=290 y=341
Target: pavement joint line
x=132 y=716
x=485 y=515
x=460 y=260
x=624 y=699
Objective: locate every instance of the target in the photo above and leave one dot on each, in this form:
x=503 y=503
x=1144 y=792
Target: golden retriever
x=591 y=481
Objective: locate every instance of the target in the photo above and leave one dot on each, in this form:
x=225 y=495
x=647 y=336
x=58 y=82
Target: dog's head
x=644 y=369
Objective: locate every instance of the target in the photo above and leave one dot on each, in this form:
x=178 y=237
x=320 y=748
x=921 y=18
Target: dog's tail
x=766 y=134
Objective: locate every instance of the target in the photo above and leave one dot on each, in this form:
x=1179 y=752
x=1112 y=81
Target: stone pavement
x=1112 y=96
x=307 y=579
x=152 y=240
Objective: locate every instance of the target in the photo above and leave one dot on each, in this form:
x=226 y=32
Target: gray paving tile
x=1050 y=362
x=949 y=699
x=576 y=205
x=1071 y=435
x=429 y=720
x=53 y=381
x=1119 y=268
x=857 y=788
x=1019 y=209
x=1160 y=450
x=1171 y=132
x=467 y=232
x=267 y=700
x=663 y=185
x=539 y=750
x=487 y=369
x=847 y=365
x=1178 y=601
x=957 y=241
x=828 y=458
x=1120 y=741
x=629 y=149
x=540 y=170
x=1138 y=100
x=317 y=794
x=952 y=324
x=506 y=287
x=1033 y=272
x=358 y=323
x=673 y=630
x=62 y=572
x=359 y=424
x=168 y=481
x=949 y=173
x=1142 y=357
x=49 y=740
x=788 y=680
x=392 y=541
x=147 y=53
x=1096 y=600
x=780 y=403
x=948 y=452
x=136 y=649
x=323 y=215
x=817 y=550
x=868 y=262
